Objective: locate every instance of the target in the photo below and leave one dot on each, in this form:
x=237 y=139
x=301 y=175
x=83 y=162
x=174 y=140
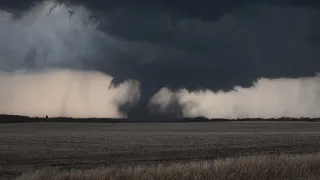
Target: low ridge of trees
x=4 y=118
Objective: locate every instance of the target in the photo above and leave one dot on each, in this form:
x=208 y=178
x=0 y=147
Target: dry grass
x=284 y=167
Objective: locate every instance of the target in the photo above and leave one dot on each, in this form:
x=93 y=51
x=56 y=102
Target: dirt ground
x=27 y=146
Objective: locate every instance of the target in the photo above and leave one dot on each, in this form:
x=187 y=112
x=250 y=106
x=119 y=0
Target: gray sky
x=195 y=45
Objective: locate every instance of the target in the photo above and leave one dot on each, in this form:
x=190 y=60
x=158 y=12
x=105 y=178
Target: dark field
x=26 y=146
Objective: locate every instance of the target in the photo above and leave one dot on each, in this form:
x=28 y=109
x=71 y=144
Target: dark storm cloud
x=204 y=9
x=203 y=44
x=221 y=50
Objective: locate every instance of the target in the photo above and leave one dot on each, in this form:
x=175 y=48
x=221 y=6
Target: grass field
x=283 y=167
x=31 y=146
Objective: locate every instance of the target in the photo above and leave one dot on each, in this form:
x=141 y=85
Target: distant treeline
x=24 y=119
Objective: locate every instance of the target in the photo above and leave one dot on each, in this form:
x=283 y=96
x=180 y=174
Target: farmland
x=29 y=146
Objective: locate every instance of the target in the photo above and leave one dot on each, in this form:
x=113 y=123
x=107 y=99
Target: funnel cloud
x=186 y=58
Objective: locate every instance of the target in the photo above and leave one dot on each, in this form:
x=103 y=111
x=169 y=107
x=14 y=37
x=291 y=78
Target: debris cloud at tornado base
x=267 y=98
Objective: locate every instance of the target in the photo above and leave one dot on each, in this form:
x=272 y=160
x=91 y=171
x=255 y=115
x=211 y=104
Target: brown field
x=26 y=147
x=283 y=167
